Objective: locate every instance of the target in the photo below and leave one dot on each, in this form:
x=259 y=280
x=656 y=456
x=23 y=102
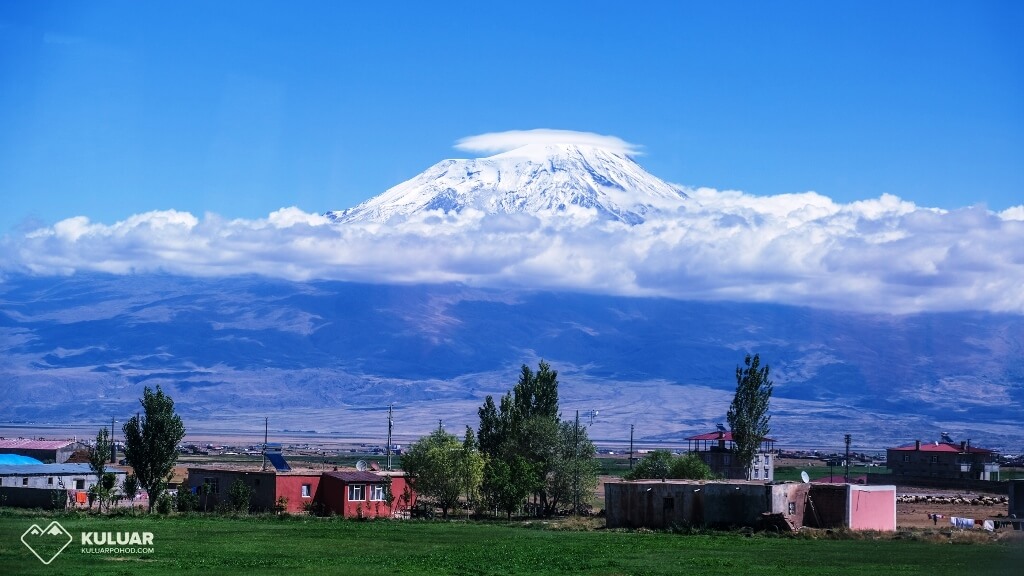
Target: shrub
x=239 y=495
x=186 y=501
x=163 y=504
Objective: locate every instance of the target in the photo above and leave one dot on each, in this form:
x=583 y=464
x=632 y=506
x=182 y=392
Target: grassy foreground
x=303 y=545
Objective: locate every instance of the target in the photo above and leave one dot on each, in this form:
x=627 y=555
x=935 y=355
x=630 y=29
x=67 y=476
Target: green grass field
x=304 y=545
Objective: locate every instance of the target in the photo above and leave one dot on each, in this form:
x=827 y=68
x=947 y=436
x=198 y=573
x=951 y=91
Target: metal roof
x=941 y=447
x=12 y=459
x=716 y=435
x=28 y=444
x=50 y=469
x=349 y=477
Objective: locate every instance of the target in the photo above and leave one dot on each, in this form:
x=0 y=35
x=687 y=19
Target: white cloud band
x=883 y=255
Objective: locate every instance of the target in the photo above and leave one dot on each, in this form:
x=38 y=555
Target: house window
x=50 y=480
x=24 y=481
x=934 y=460
x=356 y=492
x=757 y=473
x=792 y=508
x=377 y=492
x=79 y=484
x=906 y=457
x=214 y=485
x=305 y=490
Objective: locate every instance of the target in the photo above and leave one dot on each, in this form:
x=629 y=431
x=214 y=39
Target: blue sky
x=111 y=109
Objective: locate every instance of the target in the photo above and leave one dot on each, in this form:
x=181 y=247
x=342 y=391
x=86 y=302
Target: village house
x=943 y=460
x=46 y=451
x=348 y=493
x=717 y=450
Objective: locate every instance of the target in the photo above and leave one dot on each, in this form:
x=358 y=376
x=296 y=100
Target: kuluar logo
x=46 y=543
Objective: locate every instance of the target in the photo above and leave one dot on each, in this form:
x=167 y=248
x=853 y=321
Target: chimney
x=963 y=446
x=917 y=444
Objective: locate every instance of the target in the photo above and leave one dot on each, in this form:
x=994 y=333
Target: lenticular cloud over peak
x=498 y=142
x=877 y=255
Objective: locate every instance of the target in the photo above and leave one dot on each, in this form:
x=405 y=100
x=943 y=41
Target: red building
x=944 y=460
x=342 y=493
x=356 y=494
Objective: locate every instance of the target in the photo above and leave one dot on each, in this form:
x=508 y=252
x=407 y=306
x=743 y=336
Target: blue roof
x=8 y=459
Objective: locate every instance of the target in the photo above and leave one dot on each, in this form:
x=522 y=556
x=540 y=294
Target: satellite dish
x=361 y=465
x=804 y=477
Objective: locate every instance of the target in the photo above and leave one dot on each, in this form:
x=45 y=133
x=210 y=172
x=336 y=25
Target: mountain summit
x=538 y=179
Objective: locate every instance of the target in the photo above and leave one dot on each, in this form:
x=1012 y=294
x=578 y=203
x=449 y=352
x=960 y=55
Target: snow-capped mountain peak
x=545 y=180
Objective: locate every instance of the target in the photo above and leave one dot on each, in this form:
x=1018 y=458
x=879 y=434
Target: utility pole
x=847 y=439
x=113 y=449
x=391 y=423
x=266 y=431
x=440 y=426
x=631 y=446
x=576 y=466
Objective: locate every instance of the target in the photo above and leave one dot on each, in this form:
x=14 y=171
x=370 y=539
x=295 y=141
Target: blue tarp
x=7 y=459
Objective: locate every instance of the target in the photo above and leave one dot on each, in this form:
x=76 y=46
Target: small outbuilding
x=46 y=451
x=785 y=506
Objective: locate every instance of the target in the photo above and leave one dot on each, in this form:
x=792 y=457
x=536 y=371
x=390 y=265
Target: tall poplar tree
x=748 y=414
x=151 y=442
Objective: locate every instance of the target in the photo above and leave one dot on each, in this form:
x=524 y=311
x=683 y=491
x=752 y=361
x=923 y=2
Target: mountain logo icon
x=46 y=543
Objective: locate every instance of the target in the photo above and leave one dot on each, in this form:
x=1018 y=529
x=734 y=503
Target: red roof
x=727 y=436
x=941 y=447
x=25 y=444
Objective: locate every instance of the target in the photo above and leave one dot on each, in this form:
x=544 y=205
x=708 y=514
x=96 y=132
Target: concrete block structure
x=788 y=506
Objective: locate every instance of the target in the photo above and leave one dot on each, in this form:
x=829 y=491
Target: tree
x=131 y=488
x=239 y=495
x=525 y=424
x=442 y=468
x=151 y=442
x=690 y=467
x=656 y=464
x=748 y=414
x=503 y=485
x=98 y=455
x=574 y=469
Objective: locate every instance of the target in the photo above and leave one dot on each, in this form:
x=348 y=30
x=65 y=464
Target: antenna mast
x=266 y=431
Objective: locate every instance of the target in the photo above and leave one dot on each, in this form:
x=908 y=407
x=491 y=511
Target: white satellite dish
x=804 y=477
x=361 y=465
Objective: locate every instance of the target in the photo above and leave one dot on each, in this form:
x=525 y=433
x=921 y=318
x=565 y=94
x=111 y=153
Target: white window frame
x=354 y=489
x=377 y=493
x=307 y=490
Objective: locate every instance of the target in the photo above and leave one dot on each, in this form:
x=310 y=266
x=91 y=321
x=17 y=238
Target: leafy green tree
x=656 y=464
x=151 y=442
x=131 y=489
x=574 y=469
x=748 y=414
x=98 y=455
x=503 y=485
x=239 y=496
x=526 y=424
x=442 y=469
x=690 y=467
x=186 y=501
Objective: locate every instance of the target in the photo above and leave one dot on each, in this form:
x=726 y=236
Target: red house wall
x=290 y=486
x=333 y=494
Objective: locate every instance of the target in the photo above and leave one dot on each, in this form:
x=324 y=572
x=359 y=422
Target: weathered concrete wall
x=1016 y=491
x=45 y=498
x=827 y=506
